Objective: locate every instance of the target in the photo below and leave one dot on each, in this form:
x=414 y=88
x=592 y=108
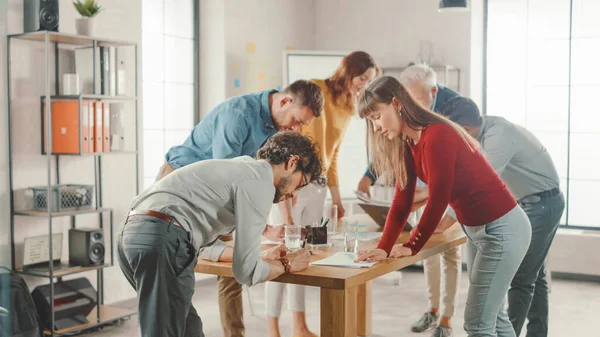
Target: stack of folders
x=79 y=129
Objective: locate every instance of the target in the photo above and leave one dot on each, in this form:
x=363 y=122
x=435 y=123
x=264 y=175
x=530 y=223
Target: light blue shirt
x=239 y=126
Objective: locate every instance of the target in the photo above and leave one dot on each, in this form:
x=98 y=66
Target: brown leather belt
x=157 y=215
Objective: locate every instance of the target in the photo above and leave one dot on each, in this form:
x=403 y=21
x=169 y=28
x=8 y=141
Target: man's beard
x=282 y=186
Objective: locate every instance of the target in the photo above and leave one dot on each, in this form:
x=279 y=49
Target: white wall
x=244 y=40
x=212 y=54
x=120 y=20
x=391 y=31
x=4 y=189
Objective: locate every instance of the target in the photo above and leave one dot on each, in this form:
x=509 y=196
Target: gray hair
x=420 y=73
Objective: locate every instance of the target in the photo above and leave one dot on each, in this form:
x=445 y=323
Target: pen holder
x=316 y=235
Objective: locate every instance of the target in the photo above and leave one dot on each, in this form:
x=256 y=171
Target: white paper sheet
x=341 y=259
x=373 y=201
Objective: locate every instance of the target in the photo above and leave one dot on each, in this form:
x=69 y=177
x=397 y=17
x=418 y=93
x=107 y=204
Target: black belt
x=545 y=194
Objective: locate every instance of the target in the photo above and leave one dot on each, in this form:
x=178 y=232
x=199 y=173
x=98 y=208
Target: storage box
x=64 y=197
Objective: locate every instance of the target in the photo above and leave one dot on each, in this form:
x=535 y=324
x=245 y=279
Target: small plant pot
x=85 y=26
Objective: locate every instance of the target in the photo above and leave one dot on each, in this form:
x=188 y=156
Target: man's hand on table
x=299 y=260
x=275 y=253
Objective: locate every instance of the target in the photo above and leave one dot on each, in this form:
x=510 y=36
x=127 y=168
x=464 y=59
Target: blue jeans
x=528 y=294
x=495 y=251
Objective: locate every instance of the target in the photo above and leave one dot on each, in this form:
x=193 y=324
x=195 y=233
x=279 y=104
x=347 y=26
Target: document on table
x=372 y=201
x=341 y=259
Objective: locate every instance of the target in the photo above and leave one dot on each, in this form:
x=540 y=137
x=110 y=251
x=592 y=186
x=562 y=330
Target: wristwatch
x=286 y=264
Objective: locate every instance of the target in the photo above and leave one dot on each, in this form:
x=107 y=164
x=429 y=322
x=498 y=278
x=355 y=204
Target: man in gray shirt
x=189 y=209
x=527 y=169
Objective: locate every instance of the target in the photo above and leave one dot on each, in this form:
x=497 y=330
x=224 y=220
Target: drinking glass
x=293 y=237
x=333 y=220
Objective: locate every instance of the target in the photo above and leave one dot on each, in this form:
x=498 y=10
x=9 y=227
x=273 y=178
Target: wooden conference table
x=346 y=292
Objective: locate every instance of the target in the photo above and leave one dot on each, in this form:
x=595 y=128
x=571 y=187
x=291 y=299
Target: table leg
x=338 y=312
x=365 y=309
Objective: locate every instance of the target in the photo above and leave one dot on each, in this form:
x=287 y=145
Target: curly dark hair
x=279 y=148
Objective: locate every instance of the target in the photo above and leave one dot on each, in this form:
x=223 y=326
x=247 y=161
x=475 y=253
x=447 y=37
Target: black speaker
x=73 y=301
x=40 y=15
x=86 y=246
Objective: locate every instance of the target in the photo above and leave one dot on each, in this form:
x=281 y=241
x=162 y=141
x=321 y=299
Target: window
x=168 y=68
x=542 y=74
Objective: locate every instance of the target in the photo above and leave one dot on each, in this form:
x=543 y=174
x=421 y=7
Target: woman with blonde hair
x=340 y=92
x=412 y=141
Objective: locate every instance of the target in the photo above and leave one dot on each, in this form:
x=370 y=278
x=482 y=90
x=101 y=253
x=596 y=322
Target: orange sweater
x=328 y=130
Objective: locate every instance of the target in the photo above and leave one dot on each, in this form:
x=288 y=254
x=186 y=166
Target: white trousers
x=308 y=208
x=442 y=272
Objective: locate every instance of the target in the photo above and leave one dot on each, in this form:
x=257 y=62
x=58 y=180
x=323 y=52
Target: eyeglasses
x=304 y=177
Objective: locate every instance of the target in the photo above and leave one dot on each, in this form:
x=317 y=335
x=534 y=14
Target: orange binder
x=98 y=126
x=85 y=128
x=106 y=129
x=66 y=130
x=89 y=111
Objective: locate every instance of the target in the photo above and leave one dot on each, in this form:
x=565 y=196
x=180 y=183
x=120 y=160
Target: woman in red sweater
x=411 y=141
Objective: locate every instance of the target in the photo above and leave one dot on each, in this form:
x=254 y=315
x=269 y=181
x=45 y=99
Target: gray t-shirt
x=517 y=156
x=212 y=198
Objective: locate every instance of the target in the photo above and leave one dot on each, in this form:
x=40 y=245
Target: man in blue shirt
x=239 y=127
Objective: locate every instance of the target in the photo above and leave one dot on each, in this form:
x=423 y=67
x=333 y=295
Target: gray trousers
x=495 y=251
x=158 y=260
x=528 y=294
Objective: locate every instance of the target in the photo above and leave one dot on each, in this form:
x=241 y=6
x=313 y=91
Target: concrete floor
x=574 y=309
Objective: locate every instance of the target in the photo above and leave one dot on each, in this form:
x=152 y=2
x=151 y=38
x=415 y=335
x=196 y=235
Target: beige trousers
x=442 y=274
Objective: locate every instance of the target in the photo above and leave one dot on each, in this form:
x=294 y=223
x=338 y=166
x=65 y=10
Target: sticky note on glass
x=250 y=47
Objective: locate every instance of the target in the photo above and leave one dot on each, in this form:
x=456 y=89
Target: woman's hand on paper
x=400 y=251
x=372 y=255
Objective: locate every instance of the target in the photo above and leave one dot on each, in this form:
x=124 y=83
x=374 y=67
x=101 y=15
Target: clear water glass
x=351 y=236
x=333 y=220
x=293 y=237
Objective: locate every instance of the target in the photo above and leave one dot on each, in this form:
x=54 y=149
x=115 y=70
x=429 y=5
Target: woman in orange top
x=340 y=91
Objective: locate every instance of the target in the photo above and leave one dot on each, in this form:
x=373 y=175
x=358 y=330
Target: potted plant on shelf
x=88 y=10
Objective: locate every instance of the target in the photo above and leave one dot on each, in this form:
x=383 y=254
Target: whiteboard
x=299 y=65
x=352 y=158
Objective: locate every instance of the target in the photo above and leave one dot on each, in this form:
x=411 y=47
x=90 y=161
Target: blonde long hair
x=391 y=156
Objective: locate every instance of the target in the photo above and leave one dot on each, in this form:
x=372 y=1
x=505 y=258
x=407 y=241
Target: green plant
x=87 y=8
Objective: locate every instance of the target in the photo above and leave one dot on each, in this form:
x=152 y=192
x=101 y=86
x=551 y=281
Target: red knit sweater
x=455 y=176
